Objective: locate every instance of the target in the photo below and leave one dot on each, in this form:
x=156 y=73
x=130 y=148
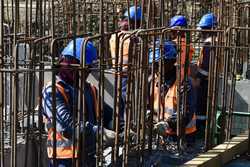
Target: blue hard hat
x=133 y=12
x=179 y=21
x=90 y=52
x=208 y=21
x=169 y=51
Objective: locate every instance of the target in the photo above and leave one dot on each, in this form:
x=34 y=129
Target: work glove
x=131 y=137
x=108 y=137
x=161 y=127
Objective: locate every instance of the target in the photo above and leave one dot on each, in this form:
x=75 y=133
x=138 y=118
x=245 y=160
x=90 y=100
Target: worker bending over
x=166 y=125
x=66 y=96
x=134 y=18
x=180 y=39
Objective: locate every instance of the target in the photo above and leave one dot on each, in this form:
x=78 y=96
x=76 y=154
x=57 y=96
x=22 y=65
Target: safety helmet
x=90 y=52
x=169 y=51
x=133 y=12
x=208 y=21
x=178 y=21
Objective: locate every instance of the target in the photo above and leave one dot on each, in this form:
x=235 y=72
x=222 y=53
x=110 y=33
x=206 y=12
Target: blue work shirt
x=64 y=110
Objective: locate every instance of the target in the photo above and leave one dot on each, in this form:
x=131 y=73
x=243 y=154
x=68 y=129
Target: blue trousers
x=61 y=163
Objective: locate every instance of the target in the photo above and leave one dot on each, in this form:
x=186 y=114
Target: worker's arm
x=190 y=105
x=203 y=62
x=64 y=117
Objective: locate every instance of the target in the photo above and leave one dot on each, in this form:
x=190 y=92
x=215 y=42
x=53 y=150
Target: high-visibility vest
x=189 y=129
x=183 y=50
x=171 y=108
x=170 y=102
x=64 y=144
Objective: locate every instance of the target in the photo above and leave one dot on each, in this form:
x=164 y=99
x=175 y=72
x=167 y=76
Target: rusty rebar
x=42 y=18
x=1 y=84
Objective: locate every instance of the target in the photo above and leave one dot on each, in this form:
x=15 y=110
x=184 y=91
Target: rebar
x=33 y=34
x=1 y=84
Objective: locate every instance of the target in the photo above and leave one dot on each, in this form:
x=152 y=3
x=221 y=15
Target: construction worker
x=167 y=124
x=207 y=22
x=179 y=37
x=66 y=98
x=134 y=18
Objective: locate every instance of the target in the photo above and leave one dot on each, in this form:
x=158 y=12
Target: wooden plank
x=221 y=154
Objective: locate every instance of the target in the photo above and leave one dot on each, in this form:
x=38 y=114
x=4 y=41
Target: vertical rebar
x=233 y=84
x=99 y=148
x=41 y=78
x=209 y=101
x=185 y=81
x=214 y=92
x=144 y=93
x=128 y=5
x=152 y=87
x=15 y=89
x=82 y=153
x=116 y=102
x=178 y=99
x=128 y=109
x=224 y=92
x=53 y=83
x=1 y=84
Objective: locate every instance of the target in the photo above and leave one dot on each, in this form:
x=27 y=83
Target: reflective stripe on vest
x=171 y=107
x=203 y=72
x=64 y=145
x=190 y=128
x=62 y=152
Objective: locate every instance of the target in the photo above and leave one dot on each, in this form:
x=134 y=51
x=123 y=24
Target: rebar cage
x=34 y=33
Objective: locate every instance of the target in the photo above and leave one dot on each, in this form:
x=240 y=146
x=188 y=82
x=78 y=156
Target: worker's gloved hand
x=108 y=137
x=161 y=127
x=131 y=137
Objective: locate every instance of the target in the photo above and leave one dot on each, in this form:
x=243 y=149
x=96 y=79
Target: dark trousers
x=202 y=103
x=89 y=162
x=61 y=163
x=202 y=97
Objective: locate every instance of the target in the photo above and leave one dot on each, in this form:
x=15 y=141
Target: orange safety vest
x=183 y=48
x=170 y=102
x=64 y=145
